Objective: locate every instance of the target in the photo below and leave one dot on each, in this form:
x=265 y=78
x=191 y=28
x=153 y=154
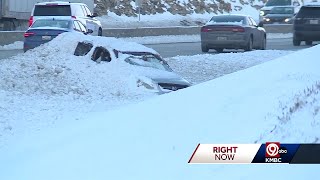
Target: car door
x=90 y=21
x=255 y=32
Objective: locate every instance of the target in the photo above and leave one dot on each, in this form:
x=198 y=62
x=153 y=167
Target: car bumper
x=307 y=35
x=237 y=40
x=31 y=45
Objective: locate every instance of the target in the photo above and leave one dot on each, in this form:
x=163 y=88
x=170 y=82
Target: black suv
x=306 y=25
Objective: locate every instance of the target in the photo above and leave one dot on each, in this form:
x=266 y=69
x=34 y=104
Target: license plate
x=46 y=38
x=314 y=21
x=221 y=38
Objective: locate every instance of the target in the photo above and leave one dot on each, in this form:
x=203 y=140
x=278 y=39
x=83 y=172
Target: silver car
x=232 y=32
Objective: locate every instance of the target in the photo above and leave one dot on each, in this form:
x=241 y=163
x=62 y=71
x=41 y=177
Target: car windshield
x=51 y=23
x=227 y=19
x=282 y=10
x=148 y=61
x=278 y=3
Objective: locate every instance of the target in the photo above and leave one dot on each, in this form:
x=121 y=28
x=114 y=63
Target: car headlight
x=262 y=13
x=267 y=19
x=287 y=20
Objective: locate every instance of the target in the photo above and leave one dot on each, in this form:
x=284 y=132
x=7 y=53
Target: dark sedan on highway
x=44 y=30
x=279 y=15
x=232 y=32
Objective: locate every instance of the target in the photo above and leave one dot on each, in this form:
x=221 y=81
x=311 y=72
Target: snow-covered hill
x=124 y=13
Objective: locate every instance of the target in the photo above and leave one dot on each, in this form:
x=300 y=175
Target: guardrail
x=8 y=37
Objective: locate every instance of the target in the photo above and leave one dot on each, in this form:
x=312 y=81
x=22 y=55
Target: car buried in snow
x=157 y=75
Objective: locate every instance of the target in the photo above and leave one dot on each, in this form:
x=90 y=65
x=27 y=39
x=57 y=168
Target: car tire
x=309 y=43
x=295 y=41
x=219 y=50
x=263 y=43
x=249 y=45
x=100 y=32
x=204 y=48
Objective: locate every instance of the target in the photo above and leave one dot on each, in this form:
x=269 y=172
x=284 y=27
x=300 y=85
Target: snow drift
x=275 y=101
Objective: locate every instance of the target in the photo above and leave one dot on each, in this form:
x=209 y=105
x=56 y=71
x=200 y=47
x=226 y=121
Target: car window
x=82 y=27
x=76 y=26
x=249 y=22
x=148 y=61
x=52 y=10
x=51 y=23
x=309 y=12
x=78 y=11
x=227 y=19
x=253 y=21
x=88 y=10
x=84 y=11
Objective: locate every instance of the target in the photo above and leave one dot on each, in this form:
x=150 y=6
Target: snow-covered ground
x=275 y=101
x=204 y=67
x=50 y=82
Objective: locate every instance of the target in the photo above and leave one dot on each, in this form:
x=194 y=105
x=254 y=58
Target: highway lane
x=185 y=49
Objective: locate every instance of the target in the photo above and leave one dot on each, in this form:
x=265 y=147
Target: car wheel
x=263 y=43
x=219 y=50
x=100 y=32
x=309 y=43
x=204 y=48
x=249 y=45
x=295 y=41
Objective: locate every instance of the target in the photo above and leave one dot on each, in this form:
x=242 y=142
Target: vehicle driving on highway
x=44 y=30
x=306 y=26
x=78 y=11
x=232 y=32
x=279 y=15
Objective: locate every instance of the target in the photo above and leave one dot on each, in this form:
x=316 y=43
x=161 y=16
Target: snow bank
x=205 y=67
x=275 y=101
x=53 y=69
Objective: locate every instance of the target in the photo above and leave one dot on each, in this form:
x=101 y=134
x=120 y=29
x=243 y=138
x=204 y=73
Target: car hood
x=168 y=78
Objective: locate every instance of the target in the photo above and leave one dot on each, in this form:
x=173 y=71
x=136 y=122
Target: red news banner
x=270 y=152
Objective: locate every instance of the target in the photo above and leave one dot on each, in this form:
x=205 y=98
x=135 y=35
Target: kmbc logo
x=272 y=149
x=273 y=152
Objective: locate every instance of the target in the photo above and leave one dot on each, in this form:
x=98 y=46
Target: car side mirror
x=94 y=14
x=260 y=24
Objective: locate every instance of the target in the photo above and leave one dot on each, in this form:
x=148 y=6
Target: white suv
x=79 y=11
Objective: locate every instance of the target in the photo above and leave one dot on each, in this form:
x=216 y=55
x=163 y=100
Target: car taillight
x=240 y=29
x=30 y=21
x=205 y=29
x=28 y=34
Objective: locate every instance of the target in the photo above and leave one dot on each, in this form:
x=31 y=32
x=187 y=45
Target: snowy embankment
x=49 y=81
x=274 y=101
x=167 y=19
